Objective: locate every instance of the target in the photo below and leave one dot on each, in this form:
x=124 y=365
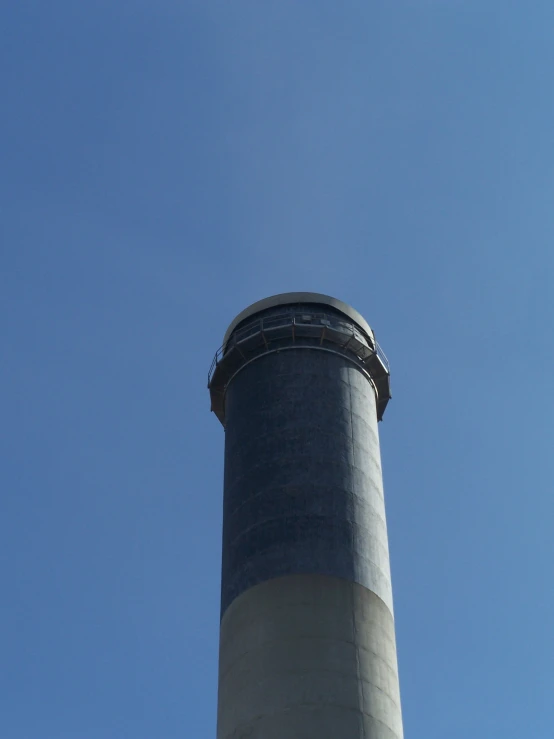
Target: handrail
x=267 y=324
x=382 y=356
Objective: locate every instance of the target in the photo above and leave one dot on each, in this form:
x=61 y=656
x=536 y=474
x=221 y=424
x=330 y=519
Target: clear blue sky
x=163 y=165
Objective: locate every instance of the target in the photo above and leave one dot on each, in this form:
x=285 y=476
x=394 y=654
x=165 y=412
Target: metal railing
x=382 y=356
x=266 y=326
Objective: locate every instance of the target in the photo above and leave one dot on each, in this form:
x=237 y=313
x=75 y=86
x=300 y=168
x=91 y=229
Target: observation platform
x=294 y=321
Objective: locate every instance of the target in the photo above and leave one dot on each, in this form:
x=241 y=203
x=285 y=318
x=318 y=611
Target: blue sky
x=164 y=164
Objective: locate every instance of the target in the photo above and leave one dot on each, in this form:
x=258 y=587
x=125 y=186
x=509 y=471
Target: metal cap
x=292 y=298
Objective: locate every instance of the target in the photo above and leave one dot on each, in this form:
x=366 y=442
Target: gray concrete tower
x=307 y=642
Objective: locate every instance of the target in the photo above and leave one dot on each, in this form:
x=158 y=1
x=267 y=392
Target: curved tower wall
x=307 y=641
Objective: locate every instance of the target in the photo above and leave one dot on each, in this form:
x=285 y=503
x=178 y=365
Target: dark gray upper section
x=303 y=486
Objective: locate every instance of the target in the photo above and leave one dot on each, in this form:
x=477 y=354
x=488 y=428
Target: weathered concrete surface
x=308 y=657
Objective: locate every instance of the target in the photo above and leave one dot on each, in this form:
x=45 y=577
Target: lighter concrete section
x=308 y=657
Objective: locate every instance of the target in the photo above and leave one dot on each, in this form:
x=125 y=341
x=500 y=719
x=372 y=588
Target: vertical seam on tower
x=361 y=696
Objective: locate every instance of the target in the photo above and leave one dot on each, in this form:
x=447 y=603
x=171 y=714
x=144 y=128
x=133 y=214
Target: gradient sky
x=163 y=165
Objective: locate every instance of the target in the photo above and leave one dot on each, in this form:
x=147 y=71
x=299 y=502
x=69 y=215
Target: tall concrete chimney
x=307 y=640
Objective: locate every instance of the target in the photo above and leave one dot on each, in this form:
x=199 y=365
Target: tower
x=307 y=639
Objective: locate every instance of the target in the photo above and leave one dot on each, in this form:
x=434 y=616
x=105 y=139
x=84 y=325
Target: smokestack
x=307 y=640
